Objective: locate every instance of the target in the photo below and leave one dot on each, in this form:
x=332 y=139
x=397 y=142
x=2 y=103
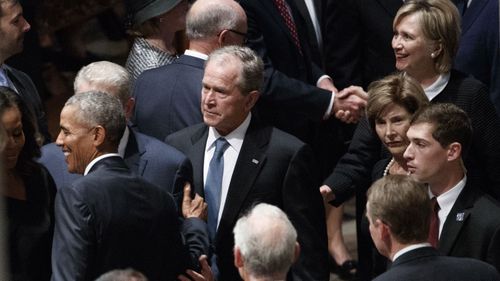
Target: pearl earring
x=433 y=55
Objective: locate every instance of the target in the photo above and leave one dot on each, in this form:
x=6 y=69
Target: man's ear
x=129 y=108
x=251 y=100
x=296 y=255
x=222 y=39
x=454 y=151
x=238 y=258
x=99 y=135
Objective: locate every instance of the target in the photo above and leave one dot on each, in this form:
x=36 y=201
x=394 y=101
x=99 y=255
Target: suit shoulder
x=285 y=139
x=157 y=147
x=183 y=135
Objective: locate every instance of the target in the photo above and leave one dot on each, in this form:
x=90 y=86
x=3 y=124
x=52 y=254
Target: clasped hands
x=349 y=104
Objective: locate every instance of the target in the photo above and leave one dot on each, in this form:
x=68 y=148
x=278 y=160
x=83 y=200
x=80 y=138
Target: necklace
x=386 y=170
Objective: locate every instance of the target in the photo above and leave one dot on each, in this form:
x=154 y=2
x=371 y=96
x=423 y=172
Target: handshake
x=349 y=104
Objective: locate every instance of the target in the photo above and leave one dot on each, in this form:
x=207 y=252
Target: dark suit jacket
x=112 y=219
x=478 y=234
x=28 y=93
x=482 y=161
x=479 y=50
x=146 y=156
x=317 y=51
x=426 y=264
x=272 y=167
x=358 y=40
x=168 y=98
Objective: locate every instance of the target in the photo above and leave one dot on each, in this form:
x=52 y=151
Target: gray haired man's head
x=265 y=242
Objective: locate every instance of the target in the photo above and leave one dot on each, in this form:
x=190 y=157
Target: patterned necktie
x=287 y=17
x=213 y=184
x=433 y=237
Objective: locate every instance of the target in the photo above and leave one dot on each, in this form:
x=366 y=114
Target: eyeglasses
x=244 y=35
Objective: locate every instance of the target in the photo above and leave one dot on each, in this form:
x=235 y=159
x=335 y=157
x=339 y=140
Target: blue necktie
x=213 y=184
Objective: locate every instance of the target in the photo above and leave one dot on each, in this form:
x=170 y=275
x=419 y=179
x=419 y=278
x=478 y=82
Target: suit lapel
x=197 y=156
x=133 y=154
x=472 y=13
x=456 y=219
x=250 y=161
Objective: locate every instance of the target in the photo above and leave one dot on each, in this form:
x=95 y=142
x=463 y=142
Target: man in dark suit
x=259 y=164
x=168 y=98
x=12 y=28
x=399 y=213
x=146 y=156
x=111 y=218
x=296 y=95
x=468 y=220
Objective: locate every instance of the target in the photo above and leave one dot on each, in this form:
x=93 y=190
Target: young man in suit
x=146 y=156
x=13 y=26
x=399 y=212
x=168 y=98
x=111 y=218
x=469 y=220
x=238 y=161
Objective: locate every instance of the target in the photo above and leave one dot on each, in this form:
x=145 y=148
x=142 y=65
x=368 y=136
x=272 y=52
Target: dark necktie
x=461 y=6
x=213 y=184
x=287 y=17
x=434 y=226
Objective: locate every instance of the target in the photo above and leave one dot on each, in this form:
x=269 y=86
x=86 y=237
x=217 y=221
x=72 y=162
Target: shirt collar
x=447 y=199
x=92 y=163
x=123 y=142
x=235 y=138
x=437 y=87
x=195 y=54
x=409 y=248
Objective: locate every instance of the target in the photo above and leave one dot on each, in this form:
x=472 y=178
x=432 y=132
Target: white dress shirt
x=235 y=140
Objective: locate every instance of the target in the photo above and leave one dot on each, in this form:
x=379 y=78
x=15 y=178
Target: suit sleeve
x=355 y=167
x=493 y=257
x=303 y=204
x=195 y=233
x=183 y=174
x=73 y=236
x=343 y=45
x=297 y=96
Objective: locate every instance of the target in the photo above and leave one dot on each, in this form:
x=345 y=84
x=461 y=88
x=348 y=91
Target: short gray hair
x=128 y=274
x=105 y=74
x=252 y=71
x=210 y=19
x=266 y=239
x=100 y=109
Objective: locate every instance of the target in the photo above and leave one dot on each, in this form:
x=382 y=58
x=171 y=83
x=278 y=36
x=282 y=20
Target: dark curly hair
x=26 y=163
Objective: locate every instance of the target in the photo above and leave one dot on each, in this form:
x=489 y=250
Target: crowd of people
x=231 y=158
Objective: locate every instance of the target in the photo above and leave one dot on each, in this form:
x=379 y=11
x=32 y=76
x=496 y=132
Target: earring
x=433 y=55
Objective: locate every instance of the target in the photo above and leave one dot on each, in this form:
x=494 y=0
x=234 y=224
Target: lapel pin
x=255 y=161
x=460 y=216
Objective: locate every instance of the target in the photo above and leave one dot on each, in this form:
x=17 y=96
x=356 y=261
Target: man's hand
x=327 y=193
x=196 y=207
x=349 y=104
x=206 y=272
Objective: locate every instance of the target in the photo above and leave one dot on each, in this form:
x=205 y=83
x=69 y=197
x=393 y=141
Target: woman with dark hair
x=29 y=192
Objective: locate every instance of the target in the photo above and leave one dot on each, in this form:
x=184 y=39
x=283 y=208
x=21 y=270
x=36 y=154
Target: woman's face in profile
x=412 y=49
x=14 y=136
x=391 y=127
